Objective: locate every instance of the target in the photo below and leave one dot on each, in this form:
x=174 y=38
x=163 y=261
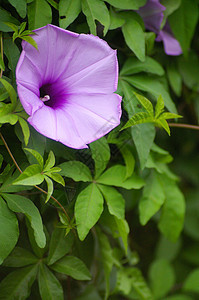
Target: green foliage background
x=107 y=222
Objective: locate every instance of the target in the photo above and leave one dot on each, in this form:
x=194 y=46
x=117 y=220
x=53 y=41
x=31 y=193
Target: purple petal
x=95 y=78
x=171 y=45
x=152 y=14
x=81 y=121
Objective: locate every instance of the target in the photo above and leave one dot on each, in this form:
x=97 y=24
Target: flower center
x=53 y=95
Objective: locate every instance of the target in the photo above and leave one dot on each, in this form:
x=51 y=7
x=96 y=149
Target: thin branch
x=10 y=153
x=188 y=126
x=40 y=189
x=1 y=42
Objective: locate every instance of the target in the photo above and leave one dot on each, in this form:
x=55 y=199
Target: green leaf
x=127 y=4
x=5 y=16
x=25 y=129
x=20 y=6
x=172 y=217
x=4 y=96
x=162 y=278
x=60 y=244
x=11 y=91
x=145 y=103
x=179 y=297
x=116 y=20
x=50 y=162
x=168 y=250
x=191 y=282
x=68 y=11
x=9 y=118
x=38 y=156
x=133 y=66
x=39 y=14
x=154 y=87
x=144 y=134
x=183 y=22
x=116 y=176
x=17 y=284
x=20 y=257
x=163 y=123
x=56 y=177
x=72 y=266
x=159 y=108
x=139 y=118
x=50 y=187
x=168 y=115
x=123 y=230
x=129 y=278
x=31 y=176
x=134 y=37
x=129 y=160
x=9 y=231
x=189 y=70
x=76 y=170
x=30 y=40
x=106 y=257
x=49 y=287
x=23 y=205
x=171 y=6
x=174 y=78
x=114 y=200
x=96 y=10
x=101 y=155
x=152 y=199
x=88 y=208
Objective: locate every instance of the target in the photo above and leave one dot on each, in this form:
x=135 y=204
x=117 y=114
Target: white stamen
x=45 y=98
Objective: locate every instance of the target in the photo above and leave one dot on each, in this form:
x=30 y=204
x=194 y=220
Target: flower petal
x=29 y=99
x=57 y=125
x=100 y=77
x=82 y=120
x=171 y=45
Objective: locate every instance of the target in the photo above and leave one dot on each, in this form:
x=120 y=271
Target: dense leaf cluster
x=107 y=222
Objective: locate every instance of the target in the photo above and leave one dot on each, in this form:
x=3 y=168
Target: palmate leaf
x=158 y=118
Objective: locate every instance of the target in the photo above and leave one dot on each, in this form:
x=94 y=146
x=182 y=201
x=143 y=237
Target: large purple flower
x=152 y=14
x=67 y=86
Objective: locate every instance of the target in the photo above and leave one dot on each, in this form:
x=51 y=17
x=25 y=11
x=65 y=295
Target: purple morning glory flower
x=152 y=14
x=67 y=86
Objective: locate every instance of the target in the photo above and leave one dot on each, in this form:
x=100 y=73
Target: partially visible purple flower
x=152 y=14
x=67 y=86
x=171 y=45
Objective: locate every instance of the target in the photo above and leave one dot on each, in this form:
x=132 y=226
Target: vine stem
x=37 y=187
x=180 y=125
x=1 y=45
